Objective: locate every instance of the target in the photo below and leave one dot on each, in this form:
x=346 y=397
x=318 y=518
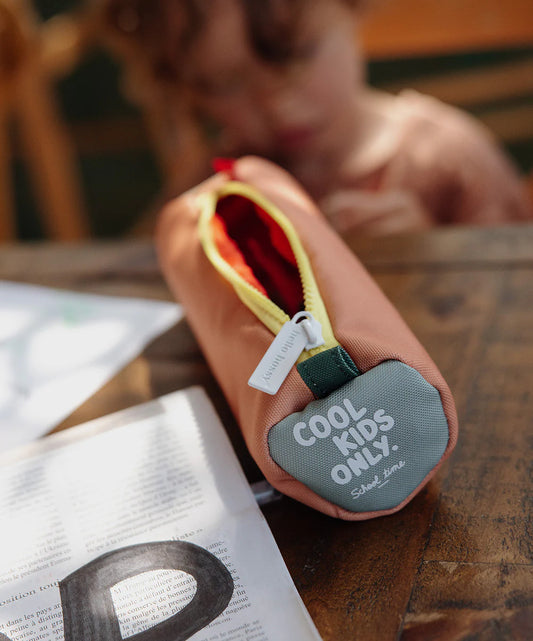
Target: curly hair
x=160 y=31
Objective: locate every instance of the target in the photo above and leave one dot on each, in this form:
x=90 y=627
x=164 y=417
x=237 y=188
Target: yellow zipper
x=266 y=310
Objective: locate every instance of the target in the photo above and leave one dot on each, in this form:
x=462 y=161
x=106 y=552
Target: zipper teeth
x=307 y=294
x=268 y=307
x=275 y=312
x=208 y=201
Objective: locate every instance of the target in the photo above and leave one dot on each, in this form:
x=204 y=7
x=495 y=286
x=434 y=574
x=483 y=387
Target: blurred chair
x=31 y=53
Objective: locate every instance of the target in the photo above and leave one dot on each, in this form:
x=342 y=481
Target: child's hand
x=374 y=213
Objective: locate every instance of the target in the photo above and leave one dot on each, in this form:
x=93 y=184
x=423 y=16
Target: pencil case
x=339 y=404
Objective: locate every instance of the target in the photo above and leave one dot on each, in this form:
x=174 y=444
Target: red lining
x=253 y=243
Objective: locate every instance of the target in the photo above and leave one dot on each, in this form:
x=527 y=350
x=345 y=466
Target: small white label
x=285 y=350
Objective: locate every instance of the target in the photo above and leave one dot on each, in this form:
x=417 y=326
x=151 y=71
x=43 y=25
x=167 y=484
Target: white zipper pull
x=302 y=332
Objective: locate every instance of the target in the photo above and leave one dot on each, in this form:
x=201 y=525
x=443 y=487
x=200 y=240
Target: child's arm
x=457 y=166
x=375 y=213
x=483 y=186
x=447 y=169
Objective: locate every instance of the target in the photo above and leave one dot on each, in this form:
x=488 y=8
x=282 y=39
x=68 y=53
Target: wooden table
x=456 y=564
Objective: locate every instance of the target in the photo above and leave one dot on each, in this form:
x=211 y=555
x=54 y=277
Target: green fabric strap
x=327 y=371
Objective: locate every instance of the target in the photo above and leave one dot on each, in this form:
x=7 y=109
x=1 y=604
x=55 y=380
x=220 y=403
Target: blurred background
x=71 y=141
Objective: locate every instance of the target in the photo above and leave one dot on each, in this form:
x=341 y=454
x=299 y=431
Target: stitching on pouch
x=345 y=366
x=317 y=388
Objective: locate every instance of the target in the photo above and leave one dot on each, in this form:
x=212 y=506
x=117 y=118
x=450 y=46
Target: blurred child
x=285 y=79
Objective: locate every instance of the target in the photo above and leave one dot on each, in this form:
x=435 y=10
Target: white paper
x=59 y=347
x=165 y=472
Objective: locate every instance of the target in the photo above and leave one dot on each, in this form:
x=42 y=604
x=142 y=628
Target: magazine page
x=58 y=347
x=140 y=523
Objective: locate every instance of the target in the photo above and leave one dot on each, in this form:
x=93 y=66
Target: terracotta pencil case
x=339 y=404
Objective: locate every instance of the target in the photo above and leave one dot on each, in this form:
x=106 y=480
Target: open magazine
x=140 y=524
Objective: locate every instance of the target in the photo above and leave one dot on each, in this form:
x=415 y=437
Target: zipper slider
x=302 y=332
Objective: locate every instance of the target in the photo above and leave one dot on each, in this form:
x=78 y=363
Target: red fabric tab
x=224 y=165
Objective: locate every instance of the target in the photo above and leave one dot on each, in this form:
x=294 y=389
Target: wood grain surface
x=456 y=563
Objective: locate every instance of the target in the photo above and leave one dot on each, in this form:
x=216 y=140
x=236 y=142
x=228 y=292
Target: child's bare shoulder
x=460 y=157
x=431 y=123
x=412 y=129
x=444 y=157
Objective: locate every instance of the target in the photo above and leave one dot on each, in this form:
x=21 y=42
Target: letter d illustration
x=88 y=610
